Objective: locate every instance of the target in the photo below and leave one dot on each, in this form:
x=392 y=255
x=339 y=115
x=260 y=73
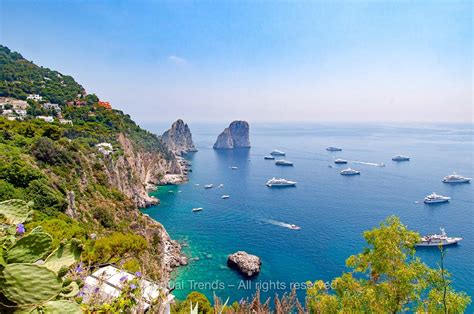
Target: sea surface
x=332 y=210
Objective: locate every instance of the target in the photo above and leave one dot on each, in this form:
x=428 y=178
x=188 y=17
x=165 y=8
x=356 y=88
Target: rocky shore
x=234 y=136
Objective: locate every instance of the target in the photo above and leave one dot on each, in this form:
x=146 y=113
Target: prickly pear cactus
x=14 y=212
x=63 y=256
x=70 y=290
x=31 y=248
x=54 y=307
x=29 y=284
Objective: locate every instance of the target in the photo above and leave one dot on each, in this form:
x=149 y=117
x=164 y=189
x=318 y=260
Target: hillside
x=88 y=178
x=20 y=77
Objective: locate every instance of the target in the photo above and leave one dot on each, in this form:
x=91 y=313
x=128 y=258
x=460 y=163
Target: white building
x=107 y=283
x=65 y=121
x=105 y=148
x=49 y=106
x=35 y=97
x=46 y=118
x=7 y=112
x=21 y=112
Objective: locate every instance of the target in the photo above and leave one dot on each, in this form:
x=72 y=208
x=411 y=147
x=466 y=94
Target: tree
x=387 y=278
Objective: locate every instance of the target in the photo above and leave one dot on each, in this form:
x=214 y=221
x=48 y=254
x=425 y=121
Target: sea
x=332 y=210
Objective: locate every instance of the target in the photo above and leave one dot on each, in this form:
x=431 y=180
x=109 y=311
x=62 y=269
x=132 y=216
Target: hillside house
x=50 y=106
x=35 y=97
x=46 y=118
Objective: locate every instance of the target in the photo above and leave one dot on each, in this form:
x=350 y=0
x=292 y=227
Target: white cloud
x=177 y=60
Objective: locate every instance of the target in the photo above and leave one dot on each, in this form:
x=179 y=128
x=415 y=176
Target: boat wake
x=282 y=224
x=367 y=163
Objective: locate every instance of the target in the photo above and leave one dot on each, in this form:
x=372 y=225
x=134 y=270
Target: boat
x=225 y=197
x=455 y=178
x=197 y=209
x=333 y=149
x=208 y=186
x=294 y=227
x=220 y=186
x=340 y=161
x=277 y=153
x=269 y=158
x=234 y=168
x=282 y=162
x=438 y=239
x=435 y=198
x=274 y=182
x=350 y=172
x=400 y=158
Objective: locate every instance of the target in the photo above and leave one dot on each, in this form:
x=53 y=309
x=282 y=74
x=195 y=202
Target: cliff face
x=179 y=138
x=235 y=136
x=136 y=172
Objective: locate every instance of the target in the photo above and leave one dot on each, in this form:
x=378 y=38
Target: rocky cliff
x=136 y=172
x=235 y=136
x=179 y=138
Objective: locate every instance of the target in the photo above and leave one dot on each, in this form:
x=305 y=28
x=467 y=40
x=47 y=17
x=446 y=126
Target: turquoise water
x=332 y=210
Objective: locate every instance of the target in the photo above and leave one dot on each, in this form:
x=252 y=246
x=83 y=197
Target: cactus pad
x=31 y=248
x=14 y=211
x=65 y=255
x=29 y=284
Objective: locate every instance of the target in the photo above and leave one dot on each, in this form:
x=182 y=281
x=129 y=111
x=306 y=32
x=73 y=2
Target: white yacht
x=234 y=168
x=349 y=172
x=438 y=240
x=435 y=198
x=225 y=197
x=220 y=186
x=283 y=162
x=274 y=182
x=277 y=153
x=208 y=186
x=269 y=158
x=197 y=209
x=340 y=161
x=400 y=158
x=333 y=149
x=294 y=227
x=456 y=178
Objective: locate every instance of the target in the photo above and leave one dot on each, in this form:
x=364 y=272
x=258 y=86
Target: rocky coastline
x=234 y=136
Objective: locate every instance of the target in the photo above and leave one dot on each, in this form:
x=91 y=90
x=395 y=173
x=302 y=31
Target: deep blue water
x=332 y=210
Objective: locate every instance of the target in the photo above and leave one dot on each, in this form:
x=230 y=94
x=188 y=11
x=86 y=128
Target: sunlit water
x=332 y=210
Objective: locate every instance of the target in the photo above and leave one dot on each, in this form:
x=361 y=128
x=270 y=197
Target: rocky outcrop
x=136 y=172
x=235 y=136
x=249 y=265
x=179 y=138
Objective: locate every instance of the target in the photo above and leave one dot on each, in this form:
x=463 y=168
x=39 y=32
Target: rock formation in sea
x=235 y=136
x=248 y=264
x=179 y=138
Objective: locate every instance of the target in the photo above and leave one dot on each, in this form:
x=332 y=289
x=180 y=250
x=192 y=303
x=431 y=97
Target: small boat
x=225 y=197
x=277 y=153
x=197 y=209
x=234 y=168
x=349 y=172
x=208 y=186
x=170 y=191
x=400 y=158
x=438 y=239
x=455 y=178
x=269 y=158
x=333 y=149
x=197 y=184
x=283 y=162
x=435 y=198
x=220 y=186
x=274 y=182
x=340 y=161
x=294 y=227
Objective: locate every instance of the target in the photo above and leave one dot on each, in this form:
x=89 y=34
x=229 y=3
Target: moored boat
x=333 y=149
x=340 y=161
x=349 y=172
x=277 y=152
x=438 y=239
x=208 y=186
x=283 y=162
x=434 y=198
x=274 y=182
x=225 y=197
x=269 y=158
x=456 y=178
x=400 y=158
x=197 y=209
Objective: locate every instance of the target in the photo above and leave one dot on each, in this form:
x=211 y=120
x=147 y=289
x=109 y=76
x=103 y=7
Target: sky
x=272 y=61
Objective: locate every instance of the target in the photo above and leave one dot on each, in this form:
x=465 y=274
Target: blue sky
x=355 y=61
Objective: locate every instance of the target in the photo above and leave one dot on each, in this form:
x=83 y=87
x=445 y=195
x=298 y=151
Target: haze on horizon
x=259 y=61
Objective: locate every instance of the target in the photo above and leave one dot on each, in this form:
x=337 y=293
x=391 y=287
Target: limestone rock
x=249 y=265
x=235 y=136
x=179 y=138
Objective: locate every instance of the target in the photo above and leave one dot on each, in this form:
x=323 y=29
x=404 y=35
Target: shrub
x=117 y=244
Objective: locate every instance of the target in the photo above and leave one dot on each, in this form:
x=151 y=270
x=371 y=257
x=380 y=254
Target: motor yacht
x=277 y=153
x=208 y=186
x=333 y=149
x=340 y=161
x=350 y=172
x=435 y=198
x=400 y=158
x=456 y=178
x=269 y=158
x=197 y=209
x=274 y=182
x=438 y=239
x=283 y=162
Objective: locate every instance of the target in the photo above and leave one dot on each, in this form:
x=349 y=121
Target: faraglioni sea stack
x=179 y=138
x=235 y=136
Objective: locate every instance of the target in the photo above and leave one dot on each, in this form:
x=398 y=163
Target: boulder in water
x=248 y=264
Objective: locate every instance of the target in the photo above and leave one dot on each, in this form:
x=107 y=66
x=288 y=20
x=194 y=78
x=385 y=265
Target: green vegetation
x=20 y=77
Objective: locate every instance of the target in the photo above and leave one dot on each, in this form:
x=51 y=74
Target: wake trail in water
x=279 y=223
x=367 y=163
